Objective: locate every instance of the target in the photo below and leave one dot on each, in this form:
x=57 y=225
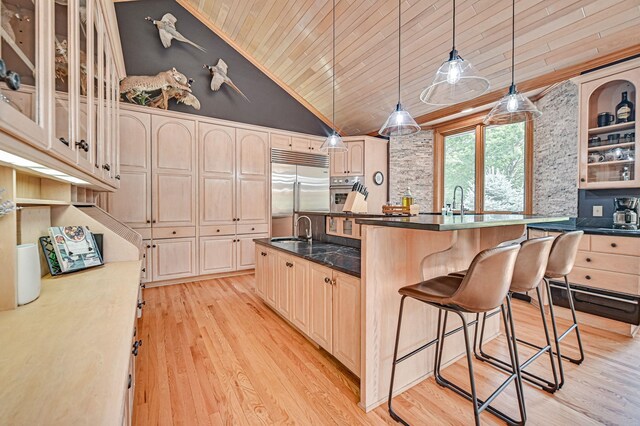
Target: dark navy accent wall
x=270 y=105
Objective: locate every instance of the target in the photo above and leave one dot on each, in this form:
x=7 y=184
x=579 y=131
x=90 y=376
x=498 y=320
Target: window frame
x=474 y=123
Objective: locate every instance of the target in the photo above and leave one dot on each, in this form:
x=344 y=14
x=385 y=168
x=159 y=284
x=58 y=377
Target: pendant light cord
x=333 y=67
x=399 y=46
x=454 y=25
x=513 y=42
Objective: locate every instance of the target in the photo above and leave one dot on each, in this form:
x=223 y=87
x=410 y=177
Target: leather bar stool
x=482 y=289
x=528 y=274
x=561 y=260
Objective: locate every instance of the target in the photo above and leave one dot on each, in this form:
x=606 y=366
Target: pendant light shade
x=400 y=122
x=456 y=80
x=514 y=107
x=334 y=142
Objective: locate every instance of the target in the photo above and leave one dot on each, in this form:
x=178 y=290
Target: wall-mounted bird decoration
x=167 y=30
x=219 y=76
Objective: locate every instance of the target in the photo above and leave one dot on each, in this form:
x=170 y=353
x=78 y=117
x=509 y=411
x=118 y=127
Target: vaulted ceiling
x=291 y=39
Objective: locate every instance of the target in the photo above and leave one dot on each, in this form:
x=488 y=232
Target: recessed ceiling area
x=292 y=40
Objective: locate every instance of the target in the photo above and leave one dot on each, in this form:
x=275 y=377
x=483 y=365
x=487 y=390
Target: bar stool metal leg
x=544 y=384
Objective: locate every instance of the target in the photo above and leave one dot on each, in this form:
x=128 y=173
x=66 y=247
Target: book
x=75 y=248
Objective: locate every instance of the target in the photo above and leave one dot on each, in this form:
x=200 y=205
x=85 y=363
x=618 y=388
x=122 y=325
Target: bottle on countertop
x=407 y=198
x=624 y=110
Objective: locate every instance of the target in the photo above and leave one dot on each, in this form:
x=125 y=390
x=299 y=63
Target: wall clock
x=378 y=178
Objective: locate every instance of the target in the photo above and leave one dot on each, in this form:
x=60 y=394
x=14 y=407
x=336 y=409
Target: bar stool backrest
x=531 y=263
x=563 y=254
x=487 y=281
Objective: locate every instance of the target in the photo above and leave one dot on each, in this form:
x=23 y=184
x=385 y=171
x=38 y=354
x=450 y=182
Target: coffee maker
x=625 y=215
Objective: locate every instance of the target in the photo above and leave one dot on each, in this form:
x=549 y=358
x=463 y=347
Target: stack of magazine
x=74 y=248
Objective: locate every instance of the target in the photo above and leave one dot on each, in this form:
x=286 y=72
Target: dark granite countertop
x=341 y=214
x=586 y=225
x=438 y=222
x=341 y=258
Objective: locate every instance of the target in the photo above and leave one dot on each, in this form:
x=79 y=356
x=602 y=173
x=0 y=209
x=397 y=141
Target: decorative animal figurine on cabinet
x=219 y=76
x=156 y=90
x=167 y=31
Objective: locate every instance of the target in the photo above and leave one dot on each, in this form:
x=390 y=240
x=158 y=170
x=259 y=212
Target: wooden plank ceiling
x=292 y=40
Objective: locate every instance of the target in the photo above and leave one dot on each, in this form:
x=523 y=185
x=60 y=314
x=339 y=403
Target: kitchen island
x=399 y=251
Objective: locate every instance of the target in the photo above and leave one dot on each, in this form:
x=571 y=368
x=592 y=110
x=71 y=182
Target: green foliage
x=504 y=167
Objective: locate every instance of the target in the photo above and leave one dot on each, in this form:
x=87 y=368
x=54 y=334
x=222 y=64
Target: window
x=491 y=164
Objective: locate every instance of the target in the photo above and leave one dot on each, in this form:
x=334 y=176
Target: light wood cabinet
x=296 y=143
x=252 y=171
x=321 y=306
x=279 y=141
x=217 y=254
x=270 y=263
x=607 y=154
x=350 y=163
x=284 y=283
x=147 y=262
x=245 y=249
x=174 y=258
x=300 y=296
x=174 y=171
x=346 y=321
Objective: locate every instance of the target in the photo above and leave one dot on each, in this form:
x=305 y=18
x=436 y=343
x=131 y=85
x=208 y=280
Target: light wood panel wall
x=291 y=40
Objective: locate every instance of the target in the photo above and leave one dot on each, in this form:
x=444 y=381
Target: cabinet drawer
x=609 y=262
x=253 y=229
x=177 y=232
x=585 y=241
x=212 y=231
x=614 y=281
x=621 y=245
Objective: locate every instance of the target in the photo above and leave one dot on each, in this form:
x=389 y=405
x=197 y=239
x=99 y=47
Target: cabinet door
x=280 y=141
x=173 y=166
x=246 y=252
x=338 y=164
x=174 y=258
x=260 y=254
x=315 y=146
x=300 y=144
x=320 y=306
x=355 y=155
x=131 y=203
x=346 y=321
x=217 y=174
x=271 y=277
x=217 y=254
x=252 y=169
x=284 y=279
x=300 y=295
x=146 y=273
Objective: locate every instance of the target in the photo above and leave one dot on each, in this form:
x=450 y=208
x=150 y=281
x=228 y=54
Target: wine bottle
x=624 y=110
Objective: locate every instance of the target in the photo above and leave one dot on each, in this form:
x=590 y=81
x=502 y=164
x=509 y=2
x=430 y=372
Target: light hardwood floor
x=213 y=353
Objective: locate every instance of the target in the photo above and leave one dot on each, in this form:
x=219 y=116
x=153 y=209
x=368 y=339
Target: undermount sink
x=289 y=240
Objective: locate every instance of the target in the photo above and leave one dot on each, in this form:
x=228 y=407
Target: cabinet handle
x=327 y=280
x=253 y=229
x=174 y=232
x=106 y=167
x=136 y=345
x=144 y=269
x=263 y=253
x=148 y=221
x=83 y=145
x=614 y=245
x=143 y=285
x=588 y=277
x=582 y=179
x=141 y=304
x=64 y=141
x=588 y=259
x=148 y=246
x=154 y=246
x=153 y=221
x=217 y=230
x=129 y=382
x=117 y=177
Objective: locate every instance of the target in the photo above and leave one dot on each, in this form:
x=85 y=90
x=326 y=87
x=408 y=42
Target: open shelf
x=611 y=163
x=612 y=146
x=612 y=128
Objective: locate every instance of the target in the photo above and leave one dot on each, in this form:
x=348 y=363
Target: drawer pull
x=148 y=221
x=253 y=229
x=588 y=259
x=588 y=277
x=129 y=382
x=614 y=245
x=141 y=304
x=327 y=280
x=143 y=285
x=136 y=345
x=174 y=232
x=217 y=230
x=144 y=269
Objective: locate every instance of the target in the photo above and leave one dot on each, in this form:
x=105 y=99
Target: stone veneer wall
x=555 y=165
x=411 y=164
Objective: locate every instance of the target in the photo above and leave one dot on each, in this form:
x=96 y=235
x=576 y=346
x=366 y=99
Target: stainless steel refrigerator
x=299 y=182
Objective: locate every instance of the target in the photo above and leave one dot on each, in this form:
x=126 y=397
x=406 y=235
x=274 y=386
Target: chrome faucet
x=309 y=235
x=453 y=204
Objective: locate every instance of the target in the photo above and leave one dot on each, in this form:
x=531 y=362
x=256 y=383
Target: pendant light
x=514 y=107
x=400 y=122
x=334 y=142
x=456 y=80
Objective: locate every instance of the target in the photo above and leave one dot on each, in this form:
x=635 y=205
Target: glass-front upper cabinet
x=608 y=128
x=85 y=33
x=62 y=42
x=96 y=83
x=19 y=45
